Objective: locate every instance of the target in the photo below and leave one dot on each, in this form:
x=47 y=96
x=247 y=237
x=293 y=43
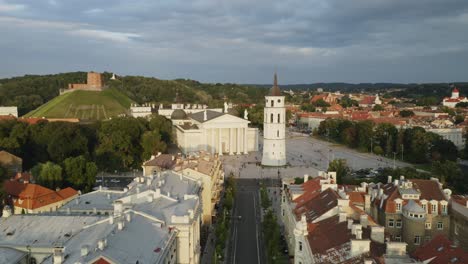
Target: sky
x=240 y=41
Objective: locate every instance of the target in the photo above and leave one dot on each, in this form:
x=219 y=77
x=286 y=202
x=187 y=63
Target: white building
x=454 y=134
x=274 y=128
x=9 y=110
x=214 y=132
x=141 y=110
x=170 y=199
x=71 y=239
x=453 y=100
x=187 y=108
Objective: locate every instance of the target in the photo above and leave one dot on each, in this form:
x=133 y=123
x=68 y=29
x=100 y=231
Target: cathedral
x=274 y=128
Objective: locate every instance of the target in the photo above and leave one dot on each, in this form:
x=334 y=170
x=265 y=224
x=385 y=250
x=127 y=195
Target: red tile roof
x=429 y=189
x=460 y=199
x=368 y=100
x=318 y=205
x=33 y=196
x=328 y=234
x=311 y=189
x=165 y=161
x=440 y=250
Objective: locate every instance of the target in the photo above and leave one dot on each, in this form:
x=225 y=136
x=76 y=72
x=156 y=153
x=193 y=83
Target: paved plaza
x=305 y=155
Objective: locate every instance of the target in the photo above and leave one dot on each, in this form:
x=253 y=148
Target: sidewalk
x=208 y=251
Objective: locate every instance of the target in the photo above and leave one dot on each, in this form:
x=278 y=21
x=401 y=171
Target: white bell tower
x=274 y=128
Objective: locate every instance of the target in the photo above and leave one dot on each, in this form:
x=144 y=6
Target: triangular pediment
x=227 y=118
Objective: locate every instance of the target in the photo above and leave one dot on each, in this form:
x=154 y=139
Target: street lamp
x=402 y=150
x=394 y=156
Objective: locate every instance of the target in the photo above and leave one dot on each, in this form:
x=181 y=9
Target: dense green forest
x=57 y=153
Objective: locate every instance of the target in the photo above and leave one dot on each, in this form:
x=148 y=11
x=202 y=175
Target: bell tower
x=274 y=128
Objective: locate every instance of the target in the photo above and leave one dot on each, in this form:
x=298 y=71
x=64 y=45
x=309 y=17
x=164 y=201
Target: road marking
x=256 y=228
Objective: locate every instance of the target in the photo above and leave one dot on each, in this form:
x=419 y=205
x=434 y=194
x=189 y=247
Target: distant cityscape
x=300 y=176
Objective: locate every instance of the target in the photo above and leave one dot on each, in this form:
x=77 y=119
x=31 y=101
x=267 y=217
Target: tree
x=50 y=175
x=447 y=172
x=346 y=101
x=462 y=105
x=406 y=113
x=80 y=173
x=321 y=103
x=340 y=167
x=377 y=108
x=443 y=149
x=152 y=144
x=459 y=119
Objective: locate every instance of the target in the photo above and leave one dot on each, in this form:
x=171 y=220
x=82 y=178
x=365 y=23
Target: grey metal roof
x=199 y=116
x=413 y=207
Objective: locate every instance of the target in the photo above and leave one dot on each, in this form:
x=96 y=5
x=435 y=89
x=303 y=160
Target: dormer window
x=434 y=208
x=398 y=206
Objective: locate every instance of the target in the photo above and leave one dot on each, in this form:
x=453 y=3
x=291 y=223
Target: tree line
x=61 y=154
x=414 y=144
x=31 y=91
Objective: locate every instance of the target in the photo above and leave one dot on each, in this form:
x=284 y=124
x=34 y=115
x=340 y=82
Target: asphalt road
x=246 y=246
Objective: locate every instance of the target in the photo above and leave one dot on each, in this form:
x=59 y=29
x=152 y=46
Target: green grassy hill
x=85 y=105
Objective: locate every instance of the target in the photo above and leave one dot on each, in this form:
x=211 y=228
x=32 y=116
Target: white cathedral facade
x=274 y=128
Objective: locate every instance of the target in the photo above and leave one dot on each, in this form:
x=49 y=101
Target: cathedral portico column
x=220 y=147
x=238 y=130
x=231 y=146
x=212 y=141
x=245 y=141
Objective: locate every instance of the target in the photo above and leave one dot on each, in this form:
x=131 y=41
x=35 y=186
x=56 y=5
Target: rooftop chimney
x=342 y=217
x=58 y=255
x=377 y=234
x=358 y=234
x=111 y=220
x=101 y=245
x=205 y=116
x=306 y=177
x=120 y=225
x=128 y=217
x=350 y=223
x=389 y=179
x=84 y=250
x=395 y=182
x=363 y=220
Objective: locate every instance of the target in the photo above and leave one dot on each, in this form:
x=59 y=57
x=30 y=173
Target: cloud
x=5 y=7
x=106 y=35
x=242 y=40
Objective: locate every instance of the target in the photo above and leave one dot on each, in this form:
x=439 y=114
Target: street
x=245 y=243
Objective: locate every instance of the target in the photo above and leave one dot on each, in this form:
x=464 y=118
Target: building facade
x=412 y=211
x=274 y=128
x=214 y=132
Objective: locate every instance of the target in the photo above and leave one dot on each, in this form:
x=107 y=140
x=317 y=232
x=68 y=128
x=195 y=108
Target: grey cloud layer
x=240 y=40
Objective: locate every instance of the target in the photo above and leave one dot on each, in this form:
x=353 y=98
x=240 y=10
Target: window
x=282 y=212
x=271 y=118
x=424 y=206
x=279 y=101
x=417 y=240
x=277 y=133
x=279 y=118
x=427 y=239
x=428 y=225
x=300 y=246
x=398 y=238
x=398 y=223
x=398 y=207
x=434 y=209
x=444 y=209
x=391 y=223
x=272 y=103
x=440 y=225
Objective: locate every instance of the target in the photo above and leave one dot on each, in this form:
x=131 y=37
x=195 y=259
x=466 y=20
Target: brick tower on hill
x=94 y=83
